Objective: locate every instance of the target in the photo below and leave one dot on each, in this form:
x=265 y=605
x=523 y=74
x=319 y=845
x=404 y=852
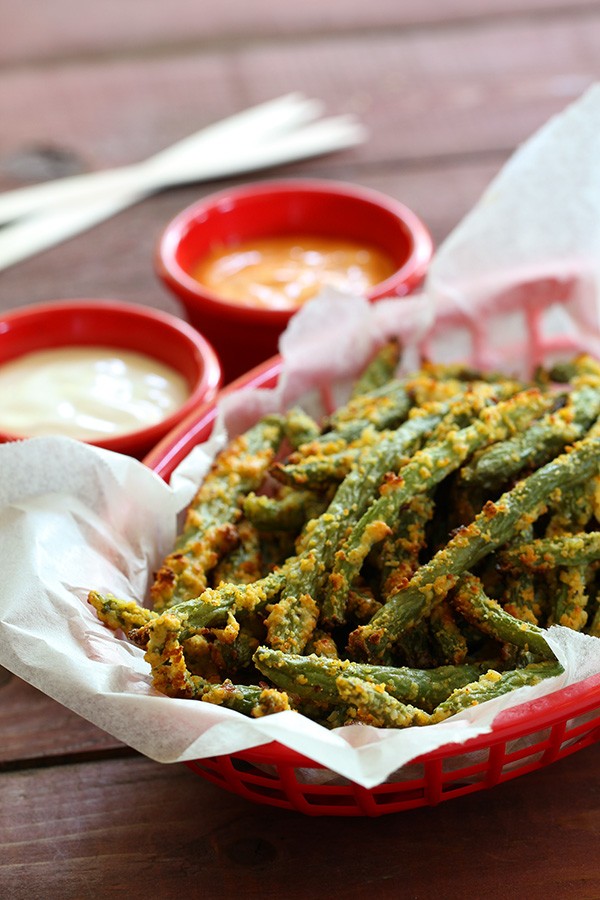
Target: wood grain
x=33 y=727
x=120 y=26
x=124 y=827
x=454 y=91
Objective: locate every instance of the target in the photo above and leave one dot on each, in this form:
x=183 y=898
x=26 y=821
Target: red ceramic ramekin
x=112 y=323
x=244 y=336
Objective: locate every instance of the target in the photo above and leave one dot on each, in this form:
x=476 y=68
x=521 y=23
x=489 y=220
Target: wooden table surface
x=447 y=90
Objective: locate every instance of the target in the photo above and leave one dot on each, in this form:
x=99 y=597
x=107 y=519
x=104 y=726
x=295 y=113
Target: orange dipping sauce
x=284 y=272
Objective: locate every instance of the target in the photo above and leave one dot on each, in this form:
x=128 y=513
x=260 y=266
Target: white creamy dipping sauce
x=87 y=393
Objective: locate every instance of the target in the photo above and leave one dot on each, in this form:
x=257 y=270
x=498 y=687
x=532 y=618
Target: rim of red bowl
x=403 y=281
x=52 y=313
x=197 y=425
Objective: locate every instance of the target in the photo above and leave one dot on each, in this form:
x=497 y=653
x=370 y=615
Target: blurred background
x=446 y=90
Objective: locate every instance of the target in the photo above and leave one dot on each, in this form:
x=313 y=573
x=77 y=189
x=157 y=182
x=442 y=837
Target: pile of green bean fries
x=393 y=564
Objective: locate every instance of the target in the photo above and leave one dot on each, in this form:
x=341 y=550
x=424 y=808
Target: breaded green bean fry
x=289 y=512
x=379 y=370
x=449 y=641
x=299 y=428
x=385 y=407
x=570 y=598
x=488 y=616
x=399 y=557
x=521 y=597
x=115 y=613
x=371 y=704
x=544 y=554
x=209 y=531
x=314 y=677
x=243 y=564
x=318 y=471
x=494 y=684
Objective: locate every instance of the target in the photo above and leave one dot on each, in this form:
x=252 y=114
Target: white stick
x=38 y=232
x=237 y=134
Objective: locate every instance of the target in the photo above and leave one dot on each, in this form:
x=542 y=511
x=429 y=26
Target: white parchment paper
x=74 y=518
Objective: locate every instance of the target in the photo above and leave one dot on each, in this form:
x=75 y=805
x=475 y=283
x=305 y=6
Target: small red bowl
x=112 y=323
x=244 y=336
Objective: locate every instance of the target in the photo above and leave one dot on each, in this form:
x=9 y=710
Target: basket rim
x=566 y=703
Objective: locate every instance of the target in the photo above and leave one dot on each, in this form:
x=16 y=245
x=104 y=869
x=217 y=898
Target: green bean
x=318 y=471
x=448 y=639
x=276 y=547
x=243 y=564
x=495 y=525
x=299 y=428
x=384 y=407
x=380 y=370
x=372 y=705
x=570 y=598
x=322 y=644
x=120 y=614
x=462 y=373
x=570 y=588
x=164 y=654
x=362 y=604
x=544 y=554
x=250 y=700
x=494 y=684
x=218 y=609
x=209 y=530
x=427 y=468
x=231 y=658
x=399 y=558
x=292 y=621
x=288 y=512
x=579 y=366
x=415 y=649
x=444 y=384
x=468 y=405
x=314 y=677
x=363 y=535
x=313 y=467
x=535 y=446
x=521 y=598
x=573 y=512
x=489 y=617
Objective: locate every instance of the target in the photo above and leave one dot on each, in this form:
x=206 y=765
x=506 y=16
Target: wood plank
x=459 y=91
x=34 y=727
x=119 y=827
x=117 y=26
x=115 y=258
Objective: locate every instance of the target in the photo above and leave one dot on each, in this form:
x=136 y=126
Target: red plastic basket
x=523 y=738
